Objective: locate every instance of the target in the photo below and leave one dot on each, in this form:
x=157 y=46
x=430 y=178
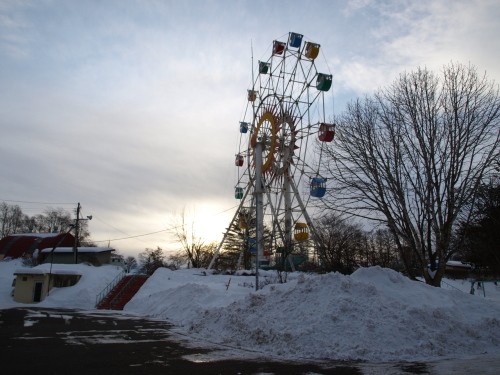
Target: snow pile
x=181 y=296
x=374 y=315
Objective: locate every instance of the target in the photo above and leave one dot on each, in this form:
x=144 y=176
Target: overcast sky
x=132 y=107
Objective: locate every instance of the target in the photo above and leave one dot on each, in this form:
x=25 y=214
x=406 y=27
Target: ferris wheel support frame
x=288 y=212
x=216 y=254
x=259 y=209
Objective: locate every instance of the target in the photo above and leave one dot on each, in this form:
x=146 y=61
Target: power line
x=14 y=201
x=151 y=233
x=139 y=235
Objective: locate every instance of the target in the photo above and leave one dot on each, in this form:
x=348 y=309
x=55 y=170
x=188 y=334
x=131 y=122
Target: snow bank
x=373 y=315
x=181 y=296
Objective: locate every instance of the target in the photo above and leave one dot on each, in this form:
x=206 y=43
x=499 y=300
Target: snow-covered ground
x=375 y=314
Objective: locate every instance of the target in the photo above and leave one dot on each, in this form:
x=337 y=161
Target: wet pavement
x=55 y=341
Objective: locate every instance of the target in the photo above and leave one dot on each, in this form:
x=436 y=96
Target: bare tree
x=383 y=248
x=177 y=260
x=413 y=155
x=197 y=252
x=12 y=219
x=130 y=263
x=150 y=260
x=55 y=220
x=339 y=244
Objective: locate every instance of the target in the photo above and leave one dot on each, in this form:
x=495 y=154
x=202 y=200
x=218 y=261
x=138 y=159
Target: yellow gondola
x=311 y=50
x=301 y=232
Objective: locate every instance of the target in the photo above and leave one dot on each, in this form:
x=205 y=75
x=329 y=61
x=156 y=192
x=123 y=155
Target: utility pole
x=75 y=246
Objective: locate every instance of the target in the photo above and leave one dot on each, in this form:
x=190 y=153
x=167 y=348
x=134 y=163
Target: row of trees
x=479 y=239
x=343 y=246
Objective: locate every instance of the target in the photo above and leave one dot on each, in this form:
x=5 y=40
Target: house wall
x=96 y=259
x=61 y=258
x=62 y=281
x=24 y=291
x=101 y=258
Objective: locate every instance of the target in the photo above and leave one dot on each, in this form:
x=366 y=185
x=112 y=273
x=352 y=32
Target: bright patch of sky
x=132 y=108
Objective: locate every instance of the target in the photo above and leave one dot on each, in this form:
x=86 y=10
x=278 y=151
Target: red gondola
x=326 y=132
x=278 y=47
x=239 y=160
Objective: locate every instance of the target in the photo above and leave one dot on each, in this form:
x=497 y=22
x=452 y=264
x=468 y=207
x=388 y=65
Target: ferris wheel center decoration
x=265 y=131
x=282 y=134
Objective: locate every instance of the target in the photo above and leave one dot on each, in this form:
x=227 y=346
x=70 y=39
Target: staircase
x=123 y=292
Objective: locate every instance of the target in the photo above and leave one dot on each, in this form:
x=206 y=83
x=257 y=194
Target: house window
x=25 y=278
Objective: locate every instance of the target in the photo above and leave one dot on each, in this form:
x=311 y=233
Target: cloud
x=401 y=36
x=133 y=108
x=14 y=41
x=354 y=6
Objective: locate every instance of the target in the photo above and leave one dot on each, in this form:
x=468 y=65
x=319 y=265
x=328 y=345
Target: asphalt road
x=46 y=341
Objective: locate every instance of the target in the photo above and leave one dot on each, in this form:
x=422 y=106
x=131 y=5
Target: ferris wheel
x=281 y=137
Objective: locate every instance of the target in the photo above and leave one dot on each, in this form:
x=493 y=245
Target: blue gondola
x=295 y=40
x=318 y=187
x=252 y=245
